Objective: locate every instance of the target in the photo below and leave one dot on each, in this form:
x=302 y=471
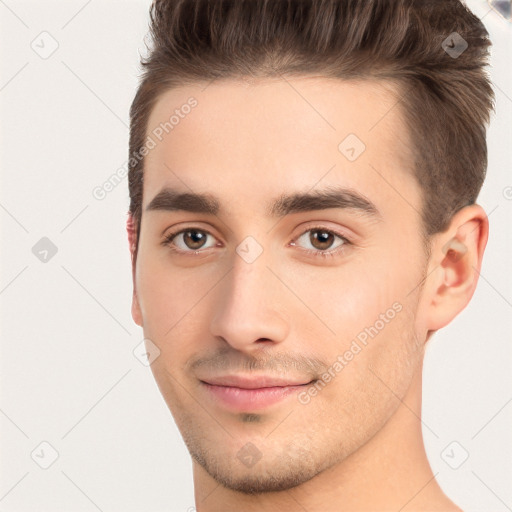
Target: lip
x=251 y=394
x=257 y=382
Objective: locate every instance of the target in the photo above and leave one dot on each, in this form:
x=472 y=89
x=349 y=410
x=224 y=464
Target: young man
x=303 y=179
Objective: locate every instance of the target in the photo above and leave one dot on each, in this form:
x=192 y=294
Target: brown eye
x=189 y=240
x=320 y=239
x=194 y=239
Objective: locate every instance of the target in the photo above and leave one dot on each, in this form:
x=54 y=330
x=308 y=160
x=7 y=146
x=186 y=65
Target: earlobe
x=460 y=251
x=136 y=312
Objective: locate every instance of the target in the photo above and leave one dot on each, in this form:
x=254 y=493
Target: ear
x=454 y=268
x=132 y=244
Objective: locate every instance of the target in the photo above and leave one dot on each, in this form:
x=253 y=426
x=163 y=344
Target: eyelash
x=314 y=252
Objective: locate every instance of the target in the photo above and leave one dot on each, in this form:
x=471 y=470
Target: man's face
x=244 y=298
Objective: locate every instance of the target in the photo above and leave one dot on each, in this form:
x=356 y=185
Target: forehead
x=271 y=136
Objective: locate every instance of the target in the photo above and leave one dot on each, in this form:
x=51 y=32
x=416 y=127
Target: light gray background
x=68 y=374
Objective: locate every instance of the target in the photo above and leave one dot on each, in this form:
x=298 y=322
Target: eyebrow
x=169 y=199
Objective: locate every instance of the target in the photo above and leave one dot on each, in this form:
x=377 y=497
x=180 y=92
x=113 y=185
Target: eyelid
x=323 y=226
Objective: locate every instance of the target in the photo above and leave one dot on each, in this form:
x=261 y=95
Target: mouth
x=244 y=394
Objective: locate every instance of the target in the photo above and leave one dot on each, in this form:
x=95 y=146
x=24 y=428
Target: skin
x=357 y=445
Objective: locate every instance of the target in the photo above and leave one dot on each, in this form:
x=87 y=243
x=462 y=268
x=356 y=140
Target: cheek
x=351 y=298
x=165 y=291
x=371 y=315
x=370 y=380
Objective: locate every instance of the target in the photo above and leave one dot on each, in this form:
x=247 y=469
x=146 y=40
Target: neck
x=390 y=472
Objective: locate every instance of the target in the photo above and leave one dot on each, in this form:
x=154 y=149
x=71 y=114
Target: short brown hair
x=445 y=99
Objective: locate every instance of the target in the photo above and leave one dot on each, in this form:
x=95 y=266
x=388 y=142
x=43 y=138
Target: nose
x=250 y=313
